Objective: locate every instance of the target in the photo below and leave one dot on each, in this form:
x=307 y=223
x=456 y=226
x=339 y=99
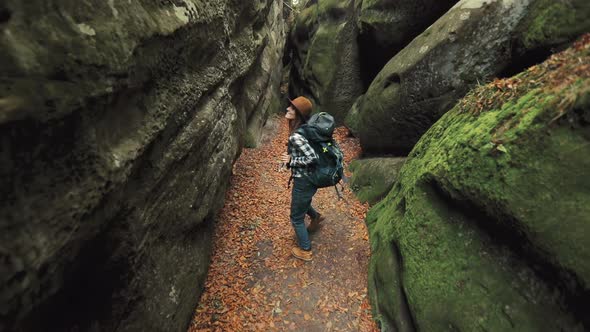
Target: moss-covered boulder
x=325 y=59
x=550 y=24
x=387 y=26
x=119 y=124
x=373 y=178
x=472 y=43
x=489 y=224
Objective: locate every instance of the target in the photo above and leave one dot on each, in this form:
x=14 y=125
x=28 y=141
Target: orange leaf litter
x=254 y=284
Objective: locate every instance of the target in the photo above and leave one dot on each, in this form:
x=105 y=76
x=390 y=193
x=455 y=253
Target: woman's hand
x=285 y=158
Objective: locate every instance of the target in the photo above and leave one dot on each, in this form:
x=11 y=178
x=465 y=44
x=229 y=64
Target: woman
x=300 y=157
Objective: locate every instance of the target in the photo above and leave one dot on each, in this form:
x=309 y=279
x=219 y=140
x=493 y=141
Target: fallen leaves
x=561 y=70
x=254 y=284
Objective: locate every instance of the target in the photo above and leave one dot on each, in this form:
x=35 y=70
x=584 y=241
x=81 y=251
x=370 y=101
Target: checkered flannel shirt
x=302 y=155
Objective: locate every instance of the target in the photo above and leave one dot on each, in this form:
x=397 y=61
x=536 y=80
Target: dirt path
x=254 y=284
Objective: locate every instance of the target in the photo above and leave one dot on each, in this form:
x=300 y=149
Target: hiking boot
x=301 y=254
x=314 y=225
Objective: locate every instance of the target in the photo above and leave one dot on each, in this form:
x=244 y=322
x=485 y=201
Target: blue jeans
x=301 y=196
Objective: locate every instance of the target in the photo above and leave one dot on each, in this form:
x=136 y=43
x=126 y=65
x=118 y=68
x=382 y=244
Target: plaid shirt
x=302 y=155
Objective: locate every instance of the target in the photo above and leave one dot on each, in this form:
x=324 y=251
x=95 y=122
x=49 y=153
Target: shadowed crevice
x=5 y=15
x=520 y=63
x=505 y=231
x=405 y=321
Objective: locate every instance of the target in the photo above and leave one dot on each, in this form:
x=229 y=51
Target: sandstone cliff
x=340 y=46
x=472 y=43
x=119 y=123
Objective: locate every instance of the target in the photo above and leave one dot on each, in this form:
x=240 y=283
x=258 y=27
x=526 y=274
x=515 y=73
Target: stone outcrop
x=325 y=65
x=487 y=227
x=325 y=59
x=472 y=43
x=373 y=178
x=387 y=26
x=119 y=124
x=339 y=46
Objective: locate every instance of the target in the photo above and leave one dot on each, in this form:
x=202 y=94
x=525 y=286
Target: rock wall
x=325 y=57
x=472 y=43
x=387 y=26
x=373 y=178
x=339 y=46
x=484 y=226
x=119 y=124
x=488 y=224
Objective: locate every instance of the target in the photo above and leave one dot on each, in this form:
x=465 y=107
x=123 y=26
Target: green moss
x=320 y=64
x=308 y=16
x=550 y=22
x=382 y=286
x=325 y=6
x=320 y=31
x=516 y=167
x=371 y=4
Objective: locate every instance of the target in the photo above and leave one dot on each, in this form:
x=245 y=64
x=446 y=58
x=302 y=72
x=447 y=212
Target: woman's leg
x=312 y=213
x=301 y=196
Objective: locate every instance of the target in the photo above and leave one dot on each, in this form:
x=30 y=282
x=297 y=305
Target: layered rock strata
x=119 y=123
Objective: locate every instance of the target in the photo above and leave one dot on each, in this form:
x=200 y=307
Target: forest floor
x=254 y=284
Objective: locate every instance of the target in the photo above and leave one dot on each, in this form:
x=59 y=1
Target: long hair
x=294 y=124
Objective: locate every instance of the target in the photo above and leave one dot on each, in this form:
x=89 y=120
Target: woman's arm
x=306 y=157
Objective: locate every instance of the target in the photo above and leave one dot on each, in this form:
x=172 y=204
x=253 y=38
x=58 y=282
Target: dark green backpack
x=330 y=167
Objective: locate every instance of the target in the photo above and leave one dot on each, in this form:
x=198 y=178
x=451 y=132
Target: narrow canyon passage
x=126 y=126
x=254 y=284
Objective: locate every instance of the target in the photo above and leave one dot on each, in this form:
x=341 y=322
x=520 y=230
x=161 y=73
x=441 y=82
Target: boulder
x=470 y=44
x=387 y=26
x=372 y=178
x=551 y=24
x=488 y=225
x=325 y=59
x=119 y=124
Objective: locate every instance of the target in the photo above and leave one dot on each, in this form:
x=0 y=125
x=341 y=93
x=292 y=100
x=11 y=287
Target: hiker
x=299 y=158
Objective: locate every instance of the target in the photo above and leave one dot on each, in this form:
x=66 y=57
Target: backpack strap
x=301 y=131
